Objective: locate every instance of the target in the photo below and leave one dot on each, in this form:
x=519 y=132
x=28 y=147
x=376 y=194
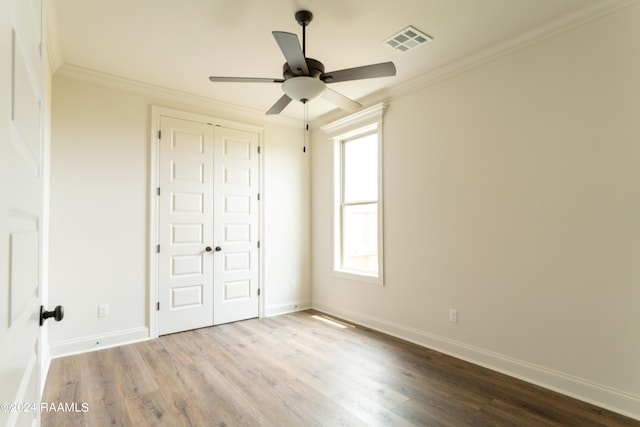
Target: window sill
x=358 y=276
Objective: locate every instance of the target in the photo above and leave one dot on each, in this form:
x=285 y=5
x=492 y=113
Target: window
x=359 y=205
x=357 y=213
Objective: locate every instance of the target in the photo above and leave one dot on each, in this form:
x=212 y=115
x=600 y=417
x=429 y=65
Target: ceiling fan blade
x=279 y=105
x=290 y=47
x=244 y=80
x=340 y=101
x=384 y=69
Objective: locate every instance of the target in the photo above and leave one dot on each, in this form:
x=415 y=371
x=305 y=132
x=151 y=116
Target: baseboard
x=98 y=342
x=277 y=309
x=596 y=394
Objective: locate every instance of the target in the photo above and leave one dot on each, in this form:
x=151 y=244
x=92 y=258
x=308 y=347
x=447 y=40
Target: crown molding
x=526 y=39
x=491 y=53
x=159 y=92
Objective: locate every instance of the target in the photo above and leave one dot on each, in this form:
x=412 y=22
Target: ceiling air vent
x=408 y=39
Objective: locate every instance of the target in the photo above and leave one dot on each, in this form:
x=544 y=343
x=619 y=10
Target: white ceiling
x=177 y=44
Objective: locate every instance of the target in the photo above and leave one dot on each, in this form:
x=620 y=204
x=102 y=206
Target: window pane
x=360 y=237
x=361 y=169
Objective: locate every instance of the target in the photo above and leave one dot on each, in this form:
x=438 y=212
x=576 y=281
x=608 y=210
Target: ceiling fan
x=304 y=78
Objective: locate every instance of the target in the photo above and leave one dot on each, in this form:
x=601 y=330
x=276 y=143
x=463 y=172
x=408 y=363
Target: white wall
x=99 y=248
x=512 y=193
x=287 y=203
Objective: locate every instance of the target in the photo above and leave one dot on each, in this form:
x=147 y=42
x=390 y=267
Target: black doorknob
x=218 y=248
x=208 y=249
x=57 y=314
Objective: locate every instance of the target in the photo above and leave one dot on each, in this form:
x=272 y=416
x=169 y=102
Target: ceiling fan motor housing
x=316 y=69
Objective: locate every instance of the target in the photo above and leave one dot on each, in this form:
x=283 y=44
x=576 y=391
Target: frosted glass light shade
x=303 y=88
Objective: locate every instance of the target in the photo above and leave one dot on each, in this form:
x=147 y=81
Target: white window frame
x=362 y=123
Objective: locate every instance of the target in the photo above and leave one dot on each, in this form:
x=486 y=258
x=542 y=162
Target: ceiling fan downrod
x=304 y=18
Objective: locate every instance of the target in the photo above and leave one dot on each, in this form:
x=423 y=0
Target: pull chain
x=306 y=126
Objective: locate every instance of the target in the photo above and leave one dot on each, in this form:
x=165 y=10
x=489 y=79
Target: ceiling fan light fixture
x=303 y=88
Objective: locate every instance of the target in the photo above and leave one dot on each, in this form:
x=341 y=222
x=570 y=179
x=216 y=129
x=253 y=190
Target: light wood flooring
x=295 y=370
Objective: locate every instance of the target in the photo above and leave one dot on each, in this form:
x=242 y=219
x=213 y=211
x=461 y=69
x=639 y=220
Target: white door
x=207 y=225
x=21 y=166
x=185 y=289
x=236 y=166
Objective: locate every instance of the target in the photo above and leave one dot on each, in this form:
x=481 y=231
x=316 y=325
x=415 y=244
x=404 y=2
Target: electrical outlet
x=103 y=310
x=453 y=315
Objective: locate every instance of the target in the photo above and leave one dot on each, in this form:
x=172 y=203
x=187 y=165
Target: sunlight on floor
x=332 y=322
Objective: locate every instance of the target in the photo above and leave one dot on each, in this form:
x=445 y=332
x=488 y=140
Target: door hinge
x=258 y=244
x=258 y=291
x=158 y=306
x=158 y=248
x=159 y=134
x=258 y=196
x=158 y=191
x=258 y=149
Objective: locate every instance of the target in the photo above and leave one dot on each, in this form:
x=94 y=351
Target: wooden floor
x=295 y=370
